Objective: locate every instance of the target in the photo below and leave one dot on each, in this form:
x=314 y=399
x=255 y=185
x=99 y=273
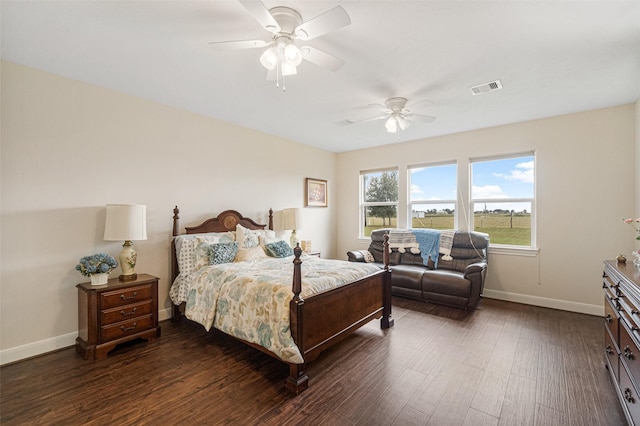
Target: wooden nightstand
x=116 y=312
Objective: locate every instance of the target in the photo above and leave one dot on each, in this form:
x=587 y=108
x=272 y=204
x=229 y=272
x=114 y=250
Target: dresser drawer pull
x=133 y=296
x=128 y=314
x=629 y=396
x=125 y=329
x=609 y=350
x=608 y=319
x=628 y=354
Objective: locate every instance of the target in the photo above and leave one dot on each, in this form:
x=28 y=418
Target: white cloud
x=523 y=172
x=488 y=191
x=415 y=189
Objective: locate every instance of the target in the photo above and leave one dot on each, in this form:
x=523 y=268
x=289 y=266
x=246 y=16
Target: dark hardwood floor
x=504 y=364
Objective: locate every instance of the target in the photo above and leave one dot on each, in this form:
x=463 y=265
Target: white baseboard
x=545 y=302
x=37 y=348
x=52 y=344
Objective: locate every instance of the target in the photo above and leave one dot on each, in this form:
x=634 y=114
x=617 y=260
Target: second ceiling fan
x=283 y=54
x=397 y=115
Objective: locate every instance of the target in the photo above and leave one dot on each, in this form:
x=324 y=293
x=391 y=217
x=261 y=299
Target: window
x=503 y=199
x=378 y=200
x=432 y=196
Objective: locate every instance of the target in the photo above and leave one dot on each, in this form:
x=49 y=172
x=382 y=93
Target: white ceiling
x=552 y=58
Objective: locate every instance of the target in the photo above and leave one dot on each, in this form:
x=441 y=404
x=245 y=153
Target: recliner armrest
x=475 y=267
x=355 y=256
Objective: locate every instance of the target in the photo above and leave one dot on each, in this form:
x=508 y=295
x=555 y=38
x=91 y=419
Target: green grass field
x=502 y=229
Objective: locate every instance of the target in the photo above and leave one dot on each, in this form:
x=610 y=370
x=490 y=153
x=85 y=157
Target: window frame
x=453 y=201
x=533 y=213
x=363 y=205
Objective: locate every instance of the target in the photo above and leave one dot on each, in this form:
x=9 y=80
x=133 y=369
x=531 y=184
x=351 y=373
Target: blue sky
x=505 y=178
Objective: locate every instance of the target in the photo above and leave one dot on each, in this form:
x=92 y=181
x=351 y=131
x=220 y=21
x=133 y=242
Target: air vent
x=486 y=87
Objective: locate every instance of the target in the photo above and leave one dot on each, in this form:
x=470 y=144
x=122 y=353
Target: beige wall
x=637 y=173
x=69 y=148
x=585 y=168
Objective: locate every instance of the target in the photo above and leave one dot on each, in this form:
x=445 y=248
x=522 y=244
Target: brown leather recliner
x=458 y=282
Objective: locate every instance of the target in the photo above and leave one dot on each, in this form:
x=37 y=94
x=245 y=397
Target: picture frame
x=316 y=193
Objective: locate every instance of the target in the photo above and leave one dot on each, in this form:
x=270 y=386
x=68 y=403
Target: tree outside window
x=379 y=201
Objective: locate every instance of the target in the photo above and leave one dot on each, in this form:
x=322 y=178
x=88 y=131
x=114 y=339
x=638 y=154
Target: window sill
x=513 y=251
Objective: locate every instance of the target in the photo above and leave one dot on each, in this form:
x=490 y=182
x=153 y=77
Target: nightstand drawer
x=127 y=312
x=126 y=296
x=126 y=328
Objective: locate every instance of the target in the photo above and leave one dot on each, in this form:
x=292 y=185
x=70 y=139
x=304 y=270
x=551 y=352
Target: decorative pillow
x=278 y=249
x=368 y=257
x=222 y=253
x=246 y=238
x=250 y=254
x=203 y=244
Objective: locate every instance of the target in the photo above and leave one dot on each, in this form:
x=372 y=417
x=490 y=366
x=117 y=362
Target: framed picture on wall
x=316 y=193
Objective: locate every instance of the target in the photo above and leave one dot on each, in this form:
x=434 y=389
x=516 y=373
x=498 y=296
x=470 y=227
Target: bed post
x=298 y=379
x=174 y=261
x=271 y=219
x=386 y=321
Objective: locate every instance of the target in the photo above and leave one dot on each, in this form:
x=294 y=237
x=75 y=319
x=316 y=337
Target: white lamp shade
x=125 y=222
x=291 y=219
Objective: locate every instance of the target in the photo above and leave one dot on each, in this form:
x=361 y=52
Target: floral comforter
x=250 y=300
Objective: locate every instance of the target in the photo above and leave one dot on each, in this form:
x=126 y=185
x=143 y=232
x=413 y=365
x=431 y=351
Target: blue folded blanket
x=429 y=243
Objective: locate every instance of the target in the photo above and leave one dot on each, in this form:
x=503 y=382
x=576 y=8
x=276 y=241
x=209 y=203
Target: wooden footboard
x=323 y=319
x=328 y=317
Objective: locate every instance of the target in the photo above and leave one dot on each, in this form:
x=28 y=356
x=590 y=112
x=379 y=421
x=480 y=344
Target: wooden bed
x=319 y=321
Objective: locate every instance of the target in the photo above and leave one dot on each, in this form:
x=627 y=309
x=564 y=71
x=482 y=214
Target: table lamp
x=292 y=220
x=126 y=222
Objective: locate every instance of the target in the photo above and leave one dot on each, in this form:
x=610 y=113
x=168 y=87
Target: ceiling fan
x=397 y=115
x=282 y=54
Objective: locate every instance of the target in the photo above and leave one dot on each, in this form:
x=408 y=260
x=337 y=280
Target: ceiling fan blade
x=238 y=44
x=421 y=117
x=420 y=102
x=347 y=122
x=330 y=20
x=321 y=58
x=261 y=14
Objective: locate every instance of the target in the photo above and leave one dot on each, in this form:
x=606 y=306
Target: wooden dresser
x=116 y=312
x=621 y=283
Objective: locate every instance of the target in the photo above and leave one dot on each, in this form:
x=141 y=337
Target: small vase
x=99 y=279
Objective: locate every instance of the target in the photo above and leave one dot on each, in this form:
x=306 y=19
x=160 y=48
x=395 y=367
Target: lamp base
x=131 y=277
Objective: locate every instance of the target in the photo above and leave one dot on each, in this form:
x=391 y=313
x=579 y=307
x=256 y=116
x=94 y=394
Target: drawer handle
x=608 y=319
x=128 y=314
x=133 y=296
x=629 y=396
x=125 y=329
x=609 y=350
x=628 y=354
x=634 y=312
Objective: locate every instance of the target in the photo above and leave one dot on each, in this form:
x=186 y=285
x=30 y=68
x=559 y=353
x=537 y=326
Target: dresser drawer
x=611 y=354
x=122 y=313
x=629 y=394
x=629 y=353
x=611 y=319
x=112 y=299
x=126 y=328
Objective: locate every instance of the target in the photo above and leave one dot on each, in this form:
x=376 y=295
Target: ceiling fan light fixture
x=292 y=54
x=391 y=124
x=403 y=123
x=269 y=58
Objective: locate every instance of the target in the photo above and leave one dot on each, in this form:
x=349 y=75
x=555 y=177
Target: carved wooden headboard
x=225 y=221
